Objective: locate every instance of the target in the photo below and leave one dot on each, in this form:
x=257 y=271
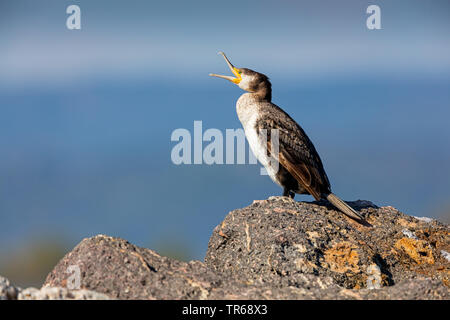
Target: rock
x=272 y=249
x=56 y=293
x=446 y=255
x=413 y=289
x=137 y=273
x=275 y=241
x=121 y=270
x=10 y=292
x=7 y=291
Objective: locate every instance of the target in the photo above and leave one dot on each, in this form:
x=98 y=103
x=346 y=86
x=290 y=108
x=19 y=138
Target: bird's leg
x=288 y=193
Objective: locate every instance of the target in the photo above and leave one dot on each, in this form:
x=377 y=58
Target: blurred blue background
x=86 y=115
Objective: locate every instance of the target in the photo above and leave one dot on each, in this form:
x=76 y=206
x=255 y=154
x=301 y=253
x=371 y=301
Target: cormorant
x=299 y=169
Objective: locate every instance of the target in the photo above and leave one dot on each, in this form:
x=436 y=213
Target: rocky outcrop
x=57 y=293
x=121 y=270
x=275 y=241
x=7 y=290
x=272 y=249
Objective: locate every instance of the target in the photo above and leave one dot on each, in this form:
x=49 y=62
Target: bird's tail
x=345 y=208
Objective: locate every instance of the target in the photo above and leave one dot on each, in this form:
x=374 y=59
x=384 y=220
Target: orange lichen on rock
x=342 y=257
x=419 y=250
x=406 y=223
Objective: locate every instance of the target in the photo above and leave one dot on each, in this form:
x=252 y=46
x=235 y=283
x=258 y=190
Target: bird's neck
x=263 y=92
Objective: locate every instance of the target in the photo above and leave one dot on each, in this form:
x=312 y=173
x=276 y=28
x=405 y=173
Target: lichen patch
x=342 y=257
x=419 y=250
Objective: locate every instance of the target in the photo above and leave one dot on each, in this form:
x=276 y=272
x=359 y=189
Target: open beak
x=233 y=69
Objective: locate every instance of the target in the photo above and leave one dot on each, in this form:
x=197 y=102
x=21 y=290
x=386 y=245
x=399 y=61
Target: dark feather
x=296 y=151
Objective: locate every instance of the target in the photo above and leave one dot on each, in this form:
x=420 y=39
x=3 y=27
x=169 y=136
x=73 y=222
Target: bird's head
x=246 y=79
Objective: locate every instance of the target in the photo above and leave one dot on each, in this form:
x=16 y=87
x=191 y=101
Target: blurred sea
x=96 y=159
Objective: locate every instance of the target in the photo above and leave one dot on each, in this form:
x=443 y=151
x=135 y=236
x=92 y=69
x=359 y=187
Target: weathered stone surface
x=7 y=290
x=413 y=289
x=277 y=240
x=312 y=288
x=55 y=293
x=121 y=270
x=10 y=292
x=274 y=249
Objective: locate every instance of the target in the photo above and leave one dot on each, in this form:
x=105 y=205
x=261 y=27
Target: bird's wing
x=296 y=152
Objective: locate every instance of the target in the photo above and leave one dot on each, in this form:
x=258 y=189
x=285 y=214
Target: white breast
x=248 y=113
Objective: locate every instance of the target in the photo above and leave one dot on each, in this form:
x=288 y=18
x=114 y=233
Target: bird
x=299 y=169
